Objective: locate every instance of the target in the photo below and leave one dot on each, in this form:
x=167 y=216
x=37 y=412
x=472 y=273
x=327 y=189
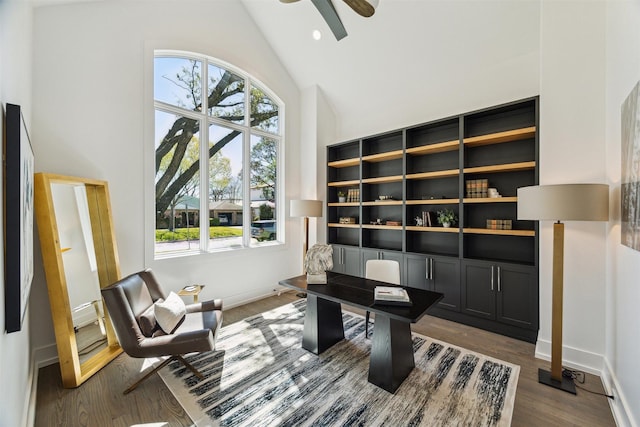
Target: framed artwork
x=630 y=170
x=18 y=217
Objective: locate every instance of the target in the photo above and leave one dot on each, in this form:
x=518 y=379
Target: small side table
x=192 y=290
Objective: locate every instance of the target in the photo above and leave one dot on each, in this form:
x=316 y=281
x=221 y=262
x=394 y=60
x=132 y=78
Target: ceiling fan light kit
x=365 y=8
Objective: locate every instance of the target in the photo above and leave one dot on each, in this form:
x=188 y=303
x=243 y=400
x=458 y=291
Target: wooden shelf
x=525 y=233
x=500 y=137
x=343 y=183
x=434 y=202
x=343 y=204
x=338 y=225
x=435 y=174
x=382 y=203
x=344 y=163
x=382 y=179
x=490 y=199
x=382 y=227
x=382 y=157
x=436 y=229
x=440 y=147
x=507 y=167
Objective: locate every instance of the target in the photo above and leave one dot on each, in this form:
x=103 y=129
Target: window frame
x=206 y=120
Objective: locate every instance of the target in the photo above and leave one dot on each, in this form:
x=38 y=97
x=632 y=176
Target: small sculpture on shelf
x=419 y=222
x=446 y=217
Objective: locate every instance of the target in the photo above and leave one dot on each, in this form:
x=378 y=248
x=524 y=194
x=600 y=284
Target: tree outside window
x=203 y=192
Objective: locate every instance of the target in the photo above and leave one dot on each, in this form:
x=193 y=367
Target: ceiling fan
x=364 y=8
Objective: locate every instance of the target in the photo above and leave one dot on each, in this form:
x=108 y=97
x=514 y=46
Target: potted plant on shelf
x=446 y=217
x=342 y=197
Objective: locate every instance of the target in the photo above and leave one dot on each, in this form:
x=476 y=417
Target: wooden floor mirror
x=80 y=257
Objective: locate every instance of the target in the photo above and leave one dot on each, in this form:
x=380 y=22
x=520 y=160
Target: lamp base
x=566 y=384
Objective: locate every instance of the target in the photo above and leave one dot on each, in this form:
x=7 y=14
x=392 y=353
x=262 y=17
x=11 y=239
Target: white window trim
x=247 y=132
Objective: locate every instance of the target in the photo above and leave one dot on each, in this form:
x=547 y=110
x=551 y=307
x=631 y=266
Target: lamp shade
x=306 y=208
x=564 y=202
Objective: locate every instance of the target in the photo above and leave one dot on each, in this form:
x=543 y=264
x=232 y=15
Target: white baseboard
x=572 y=357
x=45 y=355
x=619 y=404
x=248 y=297
x=29 y=410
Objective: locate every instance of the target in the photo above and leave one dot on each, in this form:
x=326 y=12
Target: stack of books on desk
x=391 y=295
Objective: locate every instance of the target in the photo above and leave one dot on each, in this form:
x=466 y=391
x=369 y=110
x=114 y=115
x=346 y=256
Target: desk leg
x=322 y=324
x=391 y=358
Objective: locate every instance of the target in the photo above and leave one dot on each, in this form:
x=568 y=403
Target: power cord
x=579 y=377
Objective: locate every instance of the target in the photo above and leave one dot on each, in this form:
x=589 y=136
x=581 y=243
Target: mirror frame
x=72 y=371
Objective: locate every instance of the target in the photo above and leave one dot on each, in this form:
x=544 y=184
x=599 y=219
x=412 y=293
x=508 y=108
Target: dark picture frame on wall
x=18 y=217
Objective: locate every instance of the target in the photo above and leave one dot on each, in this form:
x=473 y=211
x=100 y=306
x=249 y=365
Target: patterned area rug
x=260 y=376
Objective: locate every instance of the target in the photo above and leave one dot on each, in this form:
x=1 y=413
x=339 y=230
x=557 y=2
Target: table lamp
x=564 y=202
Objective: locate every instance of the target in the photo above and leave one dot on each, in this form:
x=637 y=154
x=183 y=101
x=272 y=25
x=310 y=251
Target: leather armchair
x=129 y=303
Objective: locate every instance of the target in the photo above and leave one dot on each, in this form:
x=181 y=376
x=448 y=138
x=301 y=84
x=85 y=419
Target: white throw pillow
x=170 y=312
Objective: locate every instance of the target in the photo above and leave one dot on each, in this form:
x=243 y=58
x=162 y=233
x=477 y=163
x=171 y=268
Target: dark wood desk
x=391 y=358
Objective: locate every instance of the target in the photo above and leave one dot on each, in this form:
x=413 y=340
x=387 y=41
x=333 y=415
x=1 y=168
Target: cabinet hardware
x=492 y=277
x=499 y=290
x=426 y=268
x=431 y=268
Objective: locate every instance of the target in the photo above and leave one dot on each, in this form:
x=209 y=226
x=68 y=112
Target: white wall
x=623 y=264
x=94 y=116
x=318 y=131
x=15 y=87
x=483 y=66
x=572 y=73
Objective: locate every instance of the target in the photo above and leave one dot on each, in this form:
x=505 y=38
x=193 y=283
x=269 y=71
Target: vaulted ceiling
x=415 y=52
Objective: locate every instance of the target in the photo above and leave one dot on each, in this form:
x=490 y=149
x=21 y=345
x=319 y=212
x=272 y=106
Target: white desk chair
x=383 y=270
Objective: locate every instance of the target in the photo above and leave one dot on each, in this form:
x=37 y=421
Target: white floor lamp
x=564 y=202
x=306 y=209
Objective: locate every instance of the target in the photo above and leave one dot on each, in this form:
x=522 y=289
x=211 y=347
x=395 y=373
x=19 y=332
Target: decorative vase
x=342 y=199
x=446 y=224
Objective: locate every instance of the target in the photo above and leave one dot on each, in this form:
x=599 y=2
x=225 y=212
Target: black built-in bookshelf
x=489 y=276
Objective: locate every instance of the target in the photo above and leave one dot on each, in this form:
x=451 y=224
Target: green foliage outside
x=266 y=212
x=194 y=233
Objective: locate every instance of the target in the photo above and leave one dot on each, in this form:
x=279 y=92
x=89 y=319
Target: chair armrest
x=210 y=305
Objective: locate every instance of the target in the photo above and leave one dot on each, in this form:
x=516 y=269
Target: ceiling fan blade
x=361 y=7
x=328 y=12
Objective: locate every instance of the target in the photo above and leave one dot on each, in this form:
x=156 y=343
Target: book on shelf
x=429 y=219
x=391 y=295
x=477 y=188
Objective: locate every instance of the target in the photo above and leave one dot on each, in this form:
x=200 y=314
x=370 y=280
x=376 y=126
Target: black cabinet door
x=444 y=273
x=346 y=260
x=517 y=296
x=338 y=266
x=415 y=271
x=478 y=289
x=351 y=260
x=366 y=255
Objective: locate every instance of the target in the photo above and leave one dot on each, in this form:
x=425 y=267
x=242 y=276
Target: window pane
x=264 y=112
x=177 y=81
x=264 y=155
x=177 y=183
x=225 y=187
x=226 y=95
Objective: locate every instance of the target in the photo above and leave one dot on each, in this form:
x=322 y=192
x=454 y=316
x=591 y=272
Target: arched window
x=218 y=139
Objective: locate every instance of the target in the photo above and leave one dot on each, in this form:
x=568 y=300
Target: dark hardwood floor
x=100 y=402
